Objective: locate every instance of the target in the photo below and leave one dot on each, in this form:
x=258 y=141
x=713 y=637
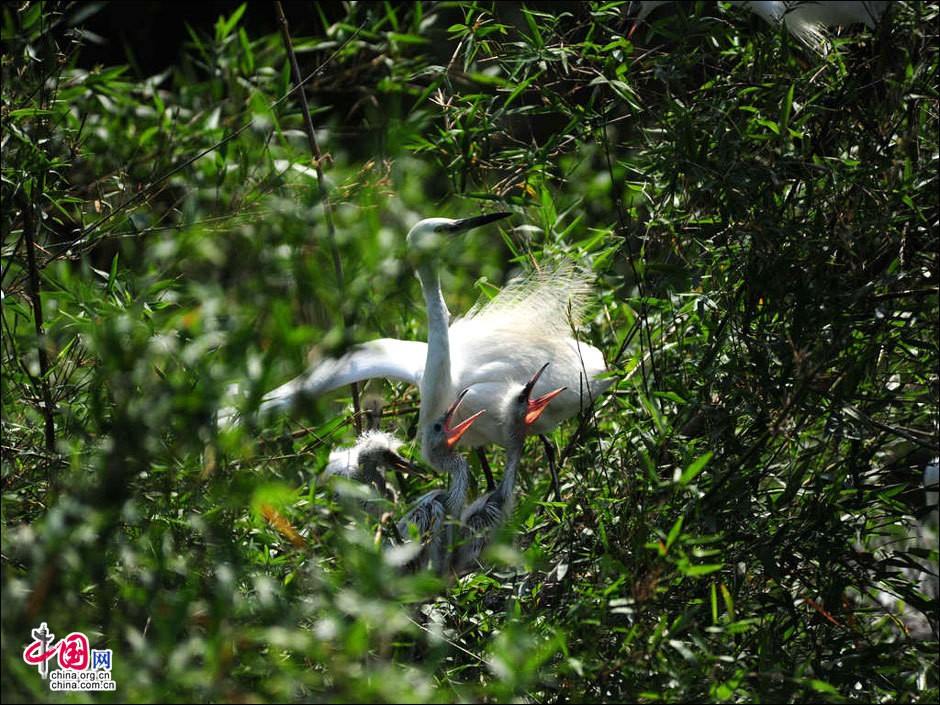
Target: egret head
x=440 y=436
x=380 y=449
x=429 y=236
x=521 y=411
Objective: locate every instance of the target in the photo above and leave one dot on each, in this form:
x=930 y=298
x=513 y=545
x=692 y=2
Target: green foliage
x=742 y=516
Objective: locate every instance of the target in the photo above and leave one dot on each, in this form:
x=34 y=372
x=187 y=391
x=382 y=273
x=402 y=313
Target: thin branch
x=31 y=225
x=144 y=193
x=922 y=438
x=29 y=233
x=324 y=194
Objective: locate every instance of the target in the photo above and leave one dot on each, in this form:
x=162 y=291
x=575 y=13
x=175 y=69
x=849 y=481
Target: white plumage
x=366 y=462
x=810 y=22
x=497 y=344
x=806 y=20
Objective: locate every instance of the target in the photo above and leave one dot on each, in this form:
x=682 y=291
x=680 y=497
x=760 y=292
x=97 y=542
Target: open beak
x=455 y=432
x=537 y=406
x=399 y=462
x=465 y=224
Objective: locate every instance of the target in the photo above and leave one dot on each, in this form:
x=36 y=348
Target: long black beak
x=465 y=224
x=537 y=406
x=535 y=378
x=400 y=462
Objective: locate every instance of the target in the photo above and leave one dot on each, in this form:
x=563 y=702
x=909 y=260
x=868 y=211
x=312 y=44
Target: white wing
x=401 y=360
x=810 y=21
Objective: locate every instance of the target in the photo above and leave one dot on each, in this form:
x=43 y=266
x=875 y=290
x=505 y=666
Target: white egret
x=487 y=513
x=433 y=517
x=495 y=344
x=366 y=462
x=807 y=20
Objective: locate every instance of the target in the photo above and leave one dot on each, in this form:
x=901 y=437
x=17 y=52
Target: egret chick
x=486 y=514
x=366 y=462
x=432 y=518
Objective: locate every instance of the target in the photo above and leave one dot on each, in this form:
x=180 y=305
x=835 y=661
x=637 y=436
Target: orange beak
x=537 y=406
x=455 y=432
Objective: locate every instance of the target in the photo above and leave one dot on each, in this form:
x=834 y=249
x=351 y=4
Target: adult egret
x=495 y=344
x=480 y=520
x=809 y=21
x=432 y=518
x=366 y=462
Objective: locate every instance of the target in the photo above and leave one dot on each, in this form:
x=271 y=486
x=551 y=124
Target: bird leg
x=490 y=484
x=550 y=456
